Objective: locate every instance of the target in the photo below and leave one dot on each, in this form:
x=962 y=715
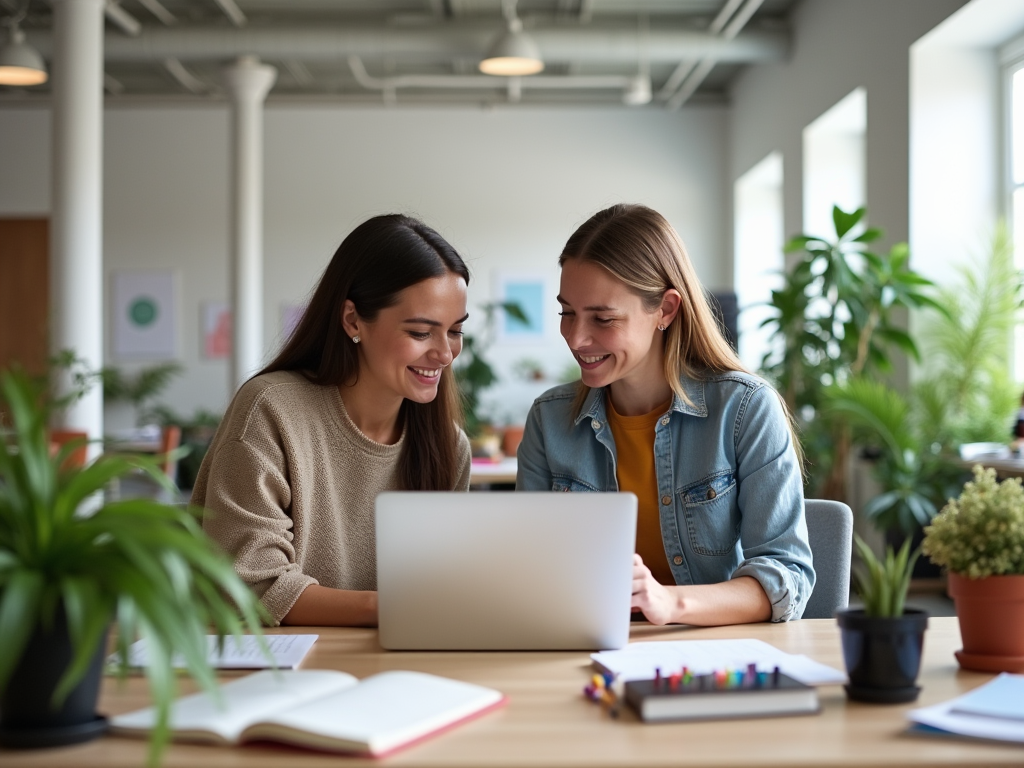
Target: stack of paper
x=638 y=661
x=993 y=711
x=286 y=652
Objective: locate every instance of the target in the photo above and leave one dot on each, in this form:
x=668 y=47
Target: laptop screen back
x=505 y=571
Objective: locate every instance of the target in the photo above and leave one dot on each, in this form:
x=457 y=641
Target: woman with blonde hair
x=665 y=409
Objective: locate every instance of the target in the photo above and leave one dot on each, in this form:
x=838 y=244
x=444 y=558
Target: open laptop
x=505 y=571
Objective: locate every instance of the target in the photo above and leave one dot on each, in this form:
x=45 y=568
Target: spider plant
x=145 y=566
x=884 y=583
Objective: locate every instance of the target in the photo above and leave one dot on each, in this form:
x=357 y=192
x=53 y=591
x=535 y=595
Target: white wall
x=505 y=186
x=838 y=46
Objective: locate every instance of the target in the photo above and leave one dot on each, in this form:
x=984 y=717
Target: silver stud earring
x=661 y=327
x=356 y=339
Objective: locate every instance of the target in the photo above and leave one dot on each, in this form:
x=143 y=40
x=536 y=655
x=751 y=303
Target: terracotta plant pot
x=511 y=439
x=991 y=614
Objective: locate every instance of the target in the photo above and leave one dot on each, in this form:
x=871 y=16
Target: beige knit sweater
x=289 y=485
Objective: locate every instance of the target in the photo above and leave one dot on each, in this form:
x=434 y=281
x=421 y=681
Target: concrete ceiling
x=424 y=51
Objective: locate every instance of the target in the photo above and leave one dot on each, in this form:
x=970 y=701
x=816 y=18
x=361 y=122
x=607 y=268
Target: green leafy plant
x=473 y=373
x=147 y=567
x=966 y=394
x=197 y=433
x=914 y=474
x=836 y=317
x=981 y=533
x=883 y=583
x=139 y=388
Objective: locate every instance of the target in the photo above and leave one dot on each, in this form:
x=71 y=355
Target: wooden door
x=24 y=293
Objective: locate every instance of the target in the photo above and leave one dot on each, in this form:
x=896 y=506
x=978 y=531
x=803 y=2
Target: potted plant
x=71 y=564
x=979 y=539
x=836 y=317
x=882 y=641
x=474 y=375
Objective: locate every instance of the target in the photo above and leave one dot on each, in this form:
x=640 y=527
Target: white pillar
x=248 y=82
x=76 y=224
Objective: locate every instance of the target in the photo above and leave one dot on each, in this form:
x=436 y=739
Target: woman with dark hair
x=665 y=409
x=360 y=400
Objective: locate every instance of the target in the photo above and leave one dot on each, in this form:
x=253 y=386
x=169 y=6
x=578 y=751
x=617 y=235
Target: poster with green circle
x=144 y=326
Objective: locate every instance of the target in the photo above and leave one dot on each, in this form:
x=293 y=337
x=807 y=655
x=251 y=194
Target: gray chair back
x=830 y=531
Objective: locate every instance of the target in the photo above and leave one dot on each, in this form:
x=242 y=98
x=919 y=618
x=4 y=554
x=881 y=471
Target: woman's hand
x=741 y=600
x=658 y=604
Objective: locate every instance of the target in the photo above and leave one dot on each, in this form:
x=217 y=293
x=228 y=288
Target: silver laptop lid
x=505 y=571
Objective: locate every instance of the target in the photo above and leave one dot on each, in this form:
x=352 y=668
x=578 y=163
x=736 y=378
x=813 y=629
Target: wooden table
x=548 y=722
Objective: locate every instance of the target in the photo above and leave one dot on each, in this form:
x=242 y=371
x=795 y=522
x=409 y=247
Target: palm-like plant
x=835 y=318
x=144 y=565
x=915 y=477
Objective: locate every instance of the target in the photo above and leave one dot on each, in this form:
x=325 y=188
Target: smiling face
x=404 y=349
x=608 y=330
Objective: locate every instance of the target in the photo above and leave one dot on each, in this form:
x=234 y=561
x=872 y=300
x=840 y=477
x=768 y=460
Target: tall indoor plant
x=837 y=317
x=979 y=538
x=73 y=564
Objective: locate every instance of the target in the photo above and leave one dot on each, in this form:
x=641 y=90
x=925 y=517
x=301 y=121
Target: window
x=834 y=162
x=1012 y=56
x=758 y=261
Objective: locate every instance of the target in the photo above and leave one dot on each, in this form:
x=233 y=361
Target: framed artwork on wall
x=531 y=293
x=144 y=323
x=216 y=330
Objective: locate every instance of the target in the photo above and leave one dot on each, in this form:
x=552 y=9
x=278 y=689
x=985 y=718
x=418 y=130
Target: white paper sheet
x=287 y=651
x=638 y=661
x=998 y=699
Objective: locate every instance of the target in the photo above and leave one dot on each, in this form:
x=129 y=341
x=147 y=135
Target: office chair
x=830 y=531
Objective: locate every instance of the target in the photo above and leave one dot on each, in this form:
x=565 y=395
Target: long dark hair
x=380 y=258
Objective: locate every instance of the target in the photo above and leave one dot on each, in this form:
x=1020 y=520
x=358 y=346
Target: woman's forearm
x=739 y=601
x=324 y=607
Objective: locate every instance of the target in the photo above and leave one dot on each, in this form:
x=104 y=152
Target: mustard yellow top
x=634 y=447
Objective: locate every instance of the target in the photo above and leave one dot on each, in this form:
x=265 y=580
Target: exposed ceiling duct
x=589 y=44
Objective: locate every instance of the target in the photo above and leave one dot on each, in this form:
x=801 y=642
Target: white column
x=248 y=82
x=76 y=224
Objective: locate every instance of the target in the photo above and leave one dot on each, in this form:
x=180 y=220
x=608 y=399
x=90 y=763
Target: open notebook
x=322 y=709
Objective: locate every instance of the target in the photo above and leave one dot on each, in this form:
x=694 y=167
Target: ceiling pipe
x=592 y=43
x=688 y=65
x=185 y=79
x=541 y=82
x=697 y=76
x=124 y=20
x=233 y=12
x=156 y=8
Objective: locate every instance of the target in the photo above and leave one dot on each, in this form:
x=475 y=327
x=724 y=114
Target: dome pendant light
x=514 y=53
x=20 y=63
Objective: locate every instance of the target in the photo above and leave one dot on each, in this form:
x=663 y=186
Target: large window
x=834 y=164
x=1016 y=151
x=758 y=264
x=1012 y=56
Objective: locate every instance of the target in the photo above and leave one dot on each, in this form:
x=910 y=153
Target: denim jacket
x=730 y=486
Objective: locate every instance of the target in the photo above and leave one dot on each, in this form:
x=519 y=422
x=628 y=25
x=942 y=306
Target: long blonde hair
x=638 y=246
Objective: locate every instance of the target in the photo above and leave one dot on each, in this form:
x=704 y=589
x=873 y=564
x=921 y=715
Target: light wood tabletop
x=548 y=722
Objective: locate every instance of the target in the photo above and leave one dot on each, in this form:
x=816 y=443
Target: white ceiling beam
x=120 y=17
x=233 y=12
x=185 y=79
x=156 y=8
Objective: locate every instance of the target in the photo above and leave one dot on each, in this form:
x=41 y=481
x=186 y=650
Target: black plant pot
x=27 y=717
x=882 y=655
